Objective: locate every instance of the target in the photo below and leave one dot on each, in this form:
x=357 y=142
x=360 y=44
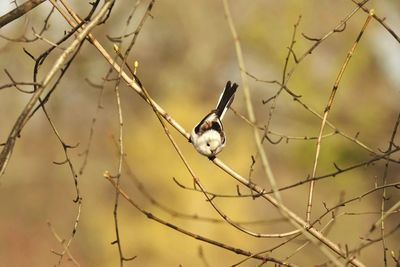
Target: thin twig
x=250 y=109
x=337 y=29
x=23 y=117
x=99 y=106
x=384 y=214
x=283 y=82
x=62 y=242
x=78 y=198
x=326 y=112
x=298 y=100
x=380 y=20
x=188 y=233
x=311 y=233
x=120 y=139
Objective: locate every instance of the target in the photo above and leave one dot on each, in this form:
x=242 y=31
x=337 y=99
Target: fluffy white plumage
x=208 y=136
x=208 y=144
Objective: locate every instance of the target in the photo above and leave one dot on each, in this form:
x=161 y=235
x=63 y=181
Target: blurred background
x=186 y=54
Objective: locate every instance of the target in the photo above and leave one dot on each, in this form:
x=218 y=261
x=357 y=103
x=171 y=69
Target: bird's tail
x=226 y=99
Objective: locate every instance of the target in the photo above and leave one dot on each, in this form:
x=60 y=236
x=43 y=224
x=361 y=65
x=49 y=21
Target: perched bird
x=208 y=137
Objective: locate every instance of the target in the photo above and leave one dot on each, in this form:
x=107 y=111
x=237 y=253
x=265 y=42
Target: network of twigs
x=80 y=33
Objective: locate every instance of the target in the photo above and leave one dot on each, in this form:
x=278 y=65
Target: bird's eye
x=208 y=144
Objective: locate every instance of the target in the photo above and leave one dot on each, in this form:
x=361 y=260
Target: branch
x=23 y=117
x=327 y=109
x=188 y=233
x=19 y=11
x=312 y=233
x=250 y=110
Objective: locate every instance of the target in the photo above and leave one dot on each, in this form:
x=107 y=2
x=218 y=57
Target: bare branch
x=19 y=11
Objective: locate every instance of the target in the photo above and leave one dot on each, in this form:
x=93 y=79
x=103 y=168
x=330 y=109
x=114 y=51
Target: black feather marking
x=216 y=126
x=226 y=98
x=197 y=129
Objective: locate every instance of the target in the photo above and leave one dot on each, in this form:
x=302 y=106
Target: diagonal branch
x=312 y=233
x=19 y=11
x=23 y=117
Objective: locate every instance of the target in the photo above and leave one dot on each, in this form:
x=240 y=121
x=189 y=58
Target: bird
x=208 y=136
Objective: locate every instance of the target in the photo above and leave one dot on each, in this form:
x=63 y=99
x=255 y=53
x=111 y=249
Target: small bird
x=208 y=137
